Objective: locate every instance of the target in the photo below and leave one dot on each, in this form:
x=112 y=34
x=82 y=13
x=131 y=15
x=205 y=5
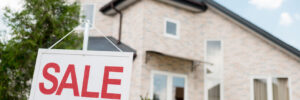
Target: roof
x=107 y=9
x=202 y=5
x=102 y=44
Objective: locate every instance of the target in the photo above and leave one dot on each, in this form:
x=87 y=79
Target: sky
x=14 y=4
x=279 y=17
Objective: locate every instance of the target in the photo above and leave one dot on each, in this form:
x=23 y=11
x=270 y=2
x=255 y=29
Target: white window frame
x=170 y=76
x=94 y=11
x=269 y=85
x=222 y=69
x=177 y=36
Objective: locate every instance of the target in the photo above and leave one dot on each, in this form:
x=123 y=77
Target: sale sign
x=81 y=75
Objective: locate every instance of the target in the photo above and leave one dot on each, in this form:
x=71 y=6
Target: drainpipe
x=120 y=23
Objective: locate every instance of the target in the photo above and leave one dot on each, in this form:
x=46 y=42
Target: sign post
x=81 y=75
x=86 y=36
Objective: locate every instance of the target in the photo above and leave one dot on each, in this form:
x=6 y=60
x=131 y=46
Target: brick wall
x=244 y=54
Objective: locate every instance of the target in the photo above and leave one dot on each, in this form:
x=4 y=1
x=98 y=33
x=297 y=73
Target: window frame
x=169 y=85
x=177 y=36
x=222 y=69
x=93 y=23
x=269 y=85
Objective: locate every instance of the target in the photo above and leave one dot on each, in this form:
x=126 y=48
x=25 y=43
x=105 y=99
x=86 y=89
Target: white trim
x=204 y=81
x=180 y=5
x=170 y=76
x=177 y=36
x=290 y=88
x=222 y=69
x=270 y=89
x=94 y=14
x=251 y=88
x=269 y=79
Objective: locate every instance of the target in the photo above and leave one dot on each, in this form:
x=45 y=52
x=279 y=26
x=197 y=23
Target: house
x=194 y=50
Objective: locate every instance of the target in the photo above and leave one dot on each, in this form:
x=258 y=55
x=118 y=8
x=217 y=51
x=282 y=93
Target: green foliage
x=145 y=98
x=39 y=25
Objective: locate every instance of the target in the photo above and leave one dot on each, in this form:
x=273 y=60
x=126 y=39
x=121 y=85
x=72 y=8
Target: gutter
x=120 y=22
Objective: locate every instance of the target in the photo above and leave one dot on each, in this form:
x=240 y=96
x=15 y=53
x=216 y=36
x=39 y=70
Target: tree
x=39 y=25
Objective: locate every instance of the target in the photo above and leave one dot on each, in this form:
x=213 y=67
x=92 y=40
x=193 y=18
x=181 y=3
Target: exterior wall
x=190 y=43
x=245 y=54
x=132 y=35
x=156 y=62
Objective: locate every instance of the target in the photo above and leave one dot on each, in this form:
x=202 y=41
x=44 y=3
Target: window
x=280 y=89
x=87 y=10
x=171 y=28
x=167 y=86
x=178 y=88
x=270 y=88
x=213 y=71
x=260 y=89
x=160 y=87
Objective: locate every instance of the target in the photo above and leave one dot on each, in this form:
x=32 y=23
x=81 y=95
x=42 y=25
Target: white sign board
x=81 y=75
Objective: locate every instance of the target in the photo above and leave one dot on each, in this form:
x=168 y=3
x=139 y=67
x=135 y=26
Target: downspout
x=120 y=23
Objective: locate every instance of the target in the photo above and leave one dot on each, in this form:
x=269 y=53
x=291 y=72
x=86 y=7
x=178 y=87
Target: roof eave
x=119 y=4
x=189 y=5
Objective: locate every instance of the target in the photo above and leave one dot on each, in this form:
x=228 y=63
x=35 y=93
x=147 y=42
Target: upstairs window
x=87 y=11
x=271 y=88
x=171 y=28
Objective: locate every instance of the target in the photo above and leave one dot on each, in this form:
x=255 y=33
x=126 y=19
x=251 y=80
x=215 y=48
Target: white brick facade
x=244 y=54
